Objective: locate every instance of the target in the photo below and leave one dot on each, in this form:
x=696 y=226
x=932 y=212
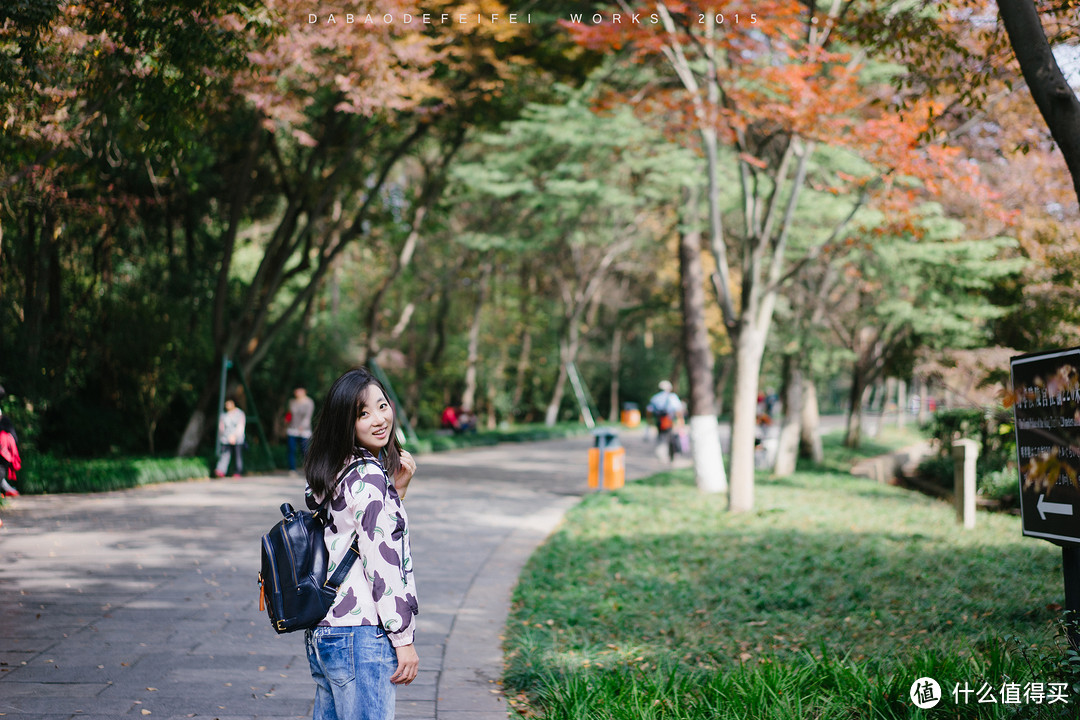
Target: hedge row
x=44 y=474
x=439 y=441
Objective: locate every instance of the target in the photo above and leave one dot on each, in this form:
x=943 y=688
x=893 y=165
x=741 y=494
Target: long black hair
x=333 y=440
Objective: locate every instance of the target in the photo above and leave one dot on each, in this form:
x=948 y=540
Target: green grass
x=828 y=601
x=889 y=438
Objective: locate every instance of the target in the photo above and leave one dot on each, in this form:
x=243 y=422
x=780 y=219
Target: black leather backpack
x=293 y=586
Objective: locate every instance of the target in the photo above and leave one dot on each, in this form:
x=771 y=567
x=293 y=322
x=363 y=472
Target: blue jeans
x=294 y=442
x=351 y=667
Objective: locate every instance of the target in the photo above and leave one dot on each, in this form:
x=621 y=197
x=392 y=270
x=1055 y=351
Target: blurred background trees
x=477 y=206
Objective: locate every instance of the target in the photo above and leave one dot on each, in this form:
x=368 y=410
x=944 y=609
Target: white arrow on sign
x=1052 y=507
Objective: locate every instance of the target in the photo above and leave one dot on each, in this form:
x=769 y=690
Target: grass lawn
x=828 y=601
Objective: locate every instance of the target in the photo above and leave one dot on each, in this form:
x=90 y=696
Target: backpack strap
x=322 y=510
x=342 y=570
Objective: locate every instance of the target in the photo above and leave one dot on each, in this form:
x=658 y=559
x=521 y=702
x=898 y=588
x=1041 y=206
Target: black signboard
x=1046 y=390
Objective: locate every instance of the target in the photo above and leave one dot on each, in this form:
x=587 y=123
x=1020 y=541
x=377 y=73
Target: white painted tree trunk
x=708 y=458
x=749 y=351
x=704 y=430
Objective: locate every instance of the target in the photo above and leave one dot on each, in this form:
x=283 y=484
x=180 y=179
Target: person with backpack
x=363 y=648
x=667 y=410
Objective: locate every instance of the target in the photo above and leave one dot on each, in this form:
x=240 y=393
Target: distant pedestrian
x=298 y=424
x=363 y=649
x=10 y=462
x=666 y=409
x=466 y=421
x=231 y=434
x=449 y=419
x=772 y=401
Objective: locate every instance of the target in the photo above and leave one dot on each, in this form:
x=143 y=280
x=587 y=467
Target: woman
x=363 y=648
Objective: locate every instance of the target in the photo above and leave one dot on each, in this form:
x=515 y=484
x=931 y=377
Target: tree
x=104 y=110
x=579 y=188
x=957 y=52
x=1056 y=100
x=323 y=138
x=773 y=92
x=916 y=285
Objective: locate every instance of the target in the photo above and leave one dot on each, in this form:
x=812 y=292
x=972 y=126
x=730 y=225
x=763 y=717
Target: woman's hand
x=408 y=665
x=405 y=473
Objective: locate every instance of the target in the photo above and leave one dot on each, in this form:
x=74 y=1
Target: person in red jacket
x=10 y=462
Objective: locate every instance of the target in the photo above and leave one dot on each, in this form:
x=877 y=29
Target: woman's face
x=375 y=420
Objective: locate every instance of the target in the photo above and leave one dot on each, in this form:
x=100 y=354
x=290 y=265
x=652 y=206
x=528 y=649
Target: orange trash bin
x=607 y=461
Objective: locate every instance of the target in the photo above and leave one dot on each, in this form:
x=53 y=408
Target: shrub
x=45 y=474
x=436 y=441
x=992 y=429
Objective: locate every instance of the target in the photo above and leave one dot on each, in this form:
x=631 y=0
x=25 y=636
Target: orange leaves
x=756 y=53
x=756 y=162
x=370 y=57
x=383 y=56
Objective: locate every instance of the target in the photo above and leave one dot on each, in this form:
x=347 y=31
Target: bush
x=436 y=441
x=992 y=429
x=45 y=474
x=1001 y=485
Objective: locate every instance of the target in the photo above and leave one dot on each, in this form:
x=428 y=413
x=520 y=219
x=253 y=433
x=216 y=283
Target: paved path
x=144 y=602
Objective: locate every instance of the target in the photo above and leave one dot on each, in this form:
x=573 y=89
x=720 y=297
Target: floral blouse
x=379 y=589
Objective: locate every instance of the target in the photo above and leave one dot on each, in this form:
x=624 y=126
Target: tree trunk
x=726 y=367
x=853 y=432
x=877 y=406
x=810 y=446
x=551 y=416
x=522 y=369
x=495 y=381
x=468 y=396
x=791 y=426
x=901 y=403
x=924 y=401
x=704 y=430
x=615 y=363
x=196 y=425
x=749 y=351
x=1057 y=101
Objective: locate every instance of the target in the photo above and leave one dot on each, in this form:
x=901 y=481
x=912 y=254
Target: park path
x=144 y=602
